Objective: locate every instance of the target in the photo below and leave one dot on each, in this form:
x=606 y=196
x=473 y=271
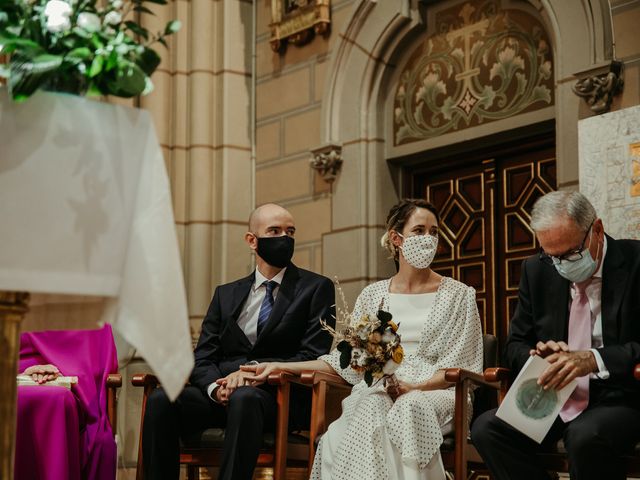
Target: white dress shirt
x=594 y=295
x=248 y=318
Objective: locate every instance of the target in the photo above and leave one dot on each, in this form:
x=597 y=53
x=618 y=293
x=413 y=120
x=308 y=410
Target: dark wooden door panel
x=485 y=207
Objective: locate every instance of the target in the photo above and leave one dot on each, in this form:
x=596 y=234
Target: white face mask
x=579 y=270
x=419 y=250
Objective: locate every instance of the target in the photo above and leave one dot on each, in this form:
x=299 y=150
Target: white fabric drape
x=85 y=209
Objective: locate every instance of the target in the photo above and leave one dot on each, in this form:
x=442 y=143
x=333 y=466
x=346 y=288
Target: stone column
x=13 y=306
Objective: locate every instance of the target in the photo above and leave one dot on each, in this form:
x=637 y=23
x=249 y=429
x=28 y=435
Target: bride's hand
x=400 y=388
x=260 y=372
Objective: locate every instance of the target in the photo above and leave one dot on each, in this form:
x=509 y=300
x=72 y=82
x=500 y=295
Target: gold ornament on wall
x=297 y=21
x=634 y=149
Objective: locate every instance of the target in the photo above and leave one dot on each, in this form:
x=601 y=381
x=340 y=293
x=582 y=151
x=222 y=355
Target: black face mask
x=276 y=251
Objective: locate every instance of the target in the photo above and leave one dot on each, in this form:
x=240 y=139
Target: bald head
x=271 y=220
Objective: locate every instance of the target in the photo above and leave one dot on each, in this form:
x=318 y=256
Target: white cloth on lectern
x=85 y=209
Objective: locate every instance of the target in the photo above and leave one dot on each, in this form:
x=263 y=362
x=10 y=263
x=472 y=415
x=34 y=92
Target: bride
x=396 y=433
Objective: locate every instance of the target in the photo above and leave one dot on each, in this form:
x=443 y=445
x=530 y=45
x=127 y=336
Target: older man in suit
x=579 y=307
x=273 y=314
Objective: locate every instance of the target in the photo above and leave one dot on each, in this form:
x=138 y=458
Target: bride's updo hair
x=398 y=216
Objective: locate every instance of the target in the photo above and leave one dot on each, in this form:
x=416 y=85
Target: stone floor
x=261 y=474
x=210 y=474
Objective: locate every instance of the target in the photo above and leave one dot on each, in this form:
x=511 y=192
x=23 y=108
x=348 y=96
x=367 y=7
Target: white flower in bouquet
x=56 y=24
x=57 y=14
x=89 y=21
x=116 y=4
x=57 y=8
x=390 y=367
x=362 y=359
x=113 y=18
x=388 y=336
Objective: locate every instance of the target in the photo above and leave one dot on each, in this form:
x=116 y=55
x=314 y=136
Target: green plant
x=79 y=46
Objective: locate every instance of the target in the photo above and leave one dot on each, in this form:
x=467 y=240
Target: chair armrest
x=497 y=374
x=114 y=380
x=280 y=378
x=313 y=377
x=145 y=380
x=458 y=375
x=636 y=372
x=501 y=376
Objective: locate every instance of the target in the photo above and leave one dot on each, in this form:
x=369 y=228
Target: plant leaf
x=112 y=61
x=148 y=61
x=129 y=80
x=137 y=29
x=368 y=377
x=28 y=74
x=384 y=317
x=172 y=27
x=345 y=358
x=96 y=66
x=143 y=9
x=81 y=53
x=10 y=43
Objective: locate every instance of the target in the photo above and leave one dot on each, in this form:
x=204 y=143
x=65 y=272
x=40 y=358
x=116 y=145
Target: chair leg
x=193 y=472
x=280 y=460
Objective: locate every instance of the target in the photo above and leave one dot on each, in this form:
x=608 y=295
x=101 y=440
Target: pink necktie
x=579 y=339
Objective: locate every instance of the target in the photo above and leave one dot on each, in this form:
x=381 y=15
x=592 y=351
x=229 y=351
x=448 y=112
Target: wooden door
x=485 y=201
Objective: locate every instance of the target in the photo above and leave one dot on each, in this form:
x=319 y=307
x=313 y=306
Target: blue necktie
x=267 y=305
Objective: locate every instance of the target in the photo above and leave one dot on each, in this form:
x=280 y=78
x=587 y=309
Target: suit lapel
x=283 y=300
x=558 y=297
x=239 y=295
x=614 y=277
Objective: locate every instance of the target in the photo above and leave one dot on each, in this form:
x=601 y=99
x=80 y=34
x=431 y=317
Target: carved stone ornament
x=296 y=21
x=482 y=63
x=599 y=89
x=327 y=161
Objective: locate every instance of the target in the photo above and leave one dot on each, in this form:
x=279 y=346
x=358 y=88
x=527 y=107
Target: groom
x=271 y=315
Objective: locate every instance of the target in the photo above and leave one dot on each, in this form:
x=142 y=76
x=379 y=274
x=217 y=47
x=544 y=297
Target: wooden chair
x=114 y=381
x=457 y=450
x=204 y=449
x=329 y=389
x=557 y=460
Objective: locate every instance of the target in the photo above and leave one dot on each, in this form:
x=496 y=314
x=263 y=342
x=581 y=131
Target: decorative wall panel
x=610 y=169
x=483 y=63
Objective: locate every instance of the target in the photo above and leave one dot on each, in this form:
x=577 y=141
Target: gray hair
x=555 y=205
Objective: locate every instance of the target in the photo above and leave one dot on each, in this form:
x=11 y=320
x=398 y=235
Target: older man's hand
x=544 y=349
x=43 y=373
x=565 y=366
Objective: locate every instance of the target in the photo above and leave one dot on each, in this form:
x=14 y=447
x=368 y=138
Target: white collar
x=260 y=278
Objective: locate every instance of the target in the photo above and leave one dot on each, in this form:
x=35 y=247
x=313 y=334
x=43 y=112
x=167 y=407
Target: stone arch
x=359 y=83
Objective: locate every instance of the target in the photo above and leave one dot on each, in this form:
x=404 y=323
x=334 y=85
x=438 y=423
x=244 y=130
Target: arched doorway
x=358 y=116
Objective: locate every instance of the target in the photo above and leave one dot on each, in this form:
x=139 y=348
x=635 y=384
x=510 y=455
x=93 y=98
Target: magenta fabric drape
x=62 y=434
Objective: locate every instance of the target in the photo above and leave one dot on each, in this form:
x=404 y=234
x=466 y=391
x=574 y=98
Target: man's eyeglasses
x=570 y=256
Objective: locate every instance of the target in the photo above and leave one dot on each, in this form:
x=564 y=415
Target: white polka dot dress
x=372 y=427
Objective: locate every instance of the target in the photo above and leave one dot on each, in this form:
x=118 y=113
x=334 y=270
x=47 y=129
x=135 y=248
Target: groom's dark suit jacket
x=292 y=333
x=543 y=314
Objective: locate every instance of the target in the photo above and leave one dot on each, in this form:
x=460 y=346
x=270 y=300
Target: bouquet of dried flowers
x=370 y=345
